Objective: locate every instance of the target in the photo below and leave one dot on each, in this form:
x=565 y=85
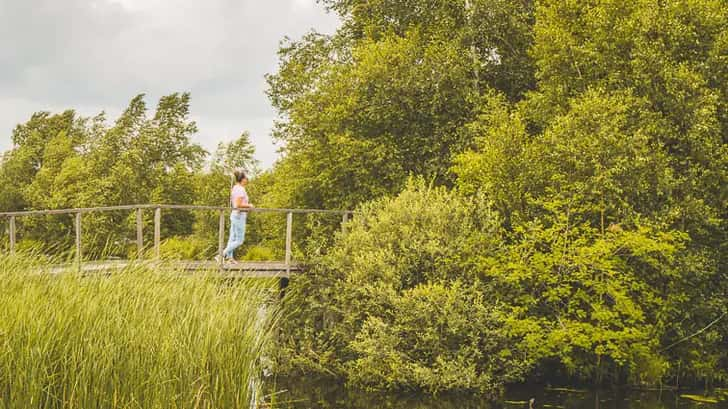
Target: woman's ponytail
x=239 y=175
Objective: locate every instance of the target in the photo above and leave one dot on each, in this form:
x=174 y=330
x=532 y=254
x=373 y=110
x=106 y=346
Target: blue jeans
x=237 y=233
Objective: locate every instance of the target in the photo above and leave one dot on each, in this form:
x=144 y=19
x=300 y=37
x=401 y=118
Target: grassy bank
x=134 y=339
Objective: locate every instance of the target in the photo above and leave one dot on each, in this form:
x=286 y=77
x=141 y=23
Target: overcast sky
x=95 y=55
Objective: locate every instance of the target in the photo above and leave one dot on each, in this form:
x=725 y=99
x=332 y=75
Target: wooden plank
x=78 y=240
x=257 y=209
x=261 y=269
x=162 y=206
x=289 y=239
x=76 y=210
x=140 y=233
x=11 y=231
x=221 y=238
x=157 y=233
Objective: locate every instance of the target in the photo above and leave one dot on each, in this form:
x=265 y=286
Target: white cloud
x=303 y=4
x=96 y=55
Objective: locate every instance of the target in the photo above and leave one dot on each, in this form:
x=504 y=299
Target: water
x=326 y=395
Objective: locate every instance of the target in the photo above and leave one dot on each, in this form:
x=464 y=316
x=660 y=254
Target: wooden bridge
x=283 y=268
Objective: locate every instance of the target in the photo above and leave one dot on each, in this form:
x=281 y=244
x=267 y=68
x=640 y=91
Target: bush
x=398 y=302
x=427 y=291
x=439 y=337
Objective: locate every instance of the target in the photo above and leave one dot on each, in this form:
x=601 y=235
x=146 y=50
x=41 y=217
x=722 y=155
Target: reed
x=132 y=339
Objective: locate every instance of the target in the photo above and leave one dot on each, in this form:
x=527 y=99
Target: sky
x=96 y=55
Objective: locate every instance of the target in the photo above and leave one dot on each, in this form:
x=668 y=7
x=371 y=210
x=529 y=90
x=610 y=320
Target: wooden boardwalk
x=279 y=269
x=246 y=269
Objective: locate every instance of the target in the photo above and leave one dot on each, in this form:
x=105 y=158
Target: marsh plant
x=137 y=338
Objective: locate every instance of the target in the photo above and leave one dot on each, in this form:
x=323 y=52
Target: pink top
x=238 y=191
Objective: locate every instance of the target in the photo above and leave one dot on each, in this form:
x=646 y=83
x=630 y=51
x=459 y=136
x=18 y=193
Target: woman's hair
x=239 y=175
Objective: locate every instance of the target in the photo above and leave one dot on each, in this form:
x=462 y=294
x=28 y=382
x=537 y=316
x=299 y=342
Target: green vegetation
x=132 y=339
x=395 y=301
x=463 y=303
x=67 y=161
x=580 y=225
x=542 y=191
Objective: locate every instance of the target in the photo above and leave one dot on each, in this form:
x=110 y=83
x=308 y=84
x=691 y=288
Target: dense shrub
x=427 y=291
x=397 y=303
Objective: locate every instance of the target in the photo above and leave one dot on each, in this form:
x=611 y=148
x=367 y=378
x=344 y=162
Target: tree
x=21 y=164
x=387 y=96
x=626 y=128
x=237 y=154
x=63 y=161
x=496 y=35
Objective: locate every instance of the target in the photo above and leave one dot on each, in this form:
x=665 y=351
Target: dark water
x=326 y=395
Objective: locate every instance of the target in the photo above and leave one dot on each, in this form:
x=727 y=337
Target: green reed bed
x=132 y=339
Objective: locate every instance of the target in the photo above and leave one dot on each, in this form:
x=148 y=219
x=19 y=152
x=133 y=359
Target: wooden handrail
x=167 y=206
x=12 y=216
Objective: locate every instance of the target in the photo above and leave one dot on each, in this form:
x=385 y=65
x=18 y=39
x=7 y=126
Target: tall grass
x=131 y=339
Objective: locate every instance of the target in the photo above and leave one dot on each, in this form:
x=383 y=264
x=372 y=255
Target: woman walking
x=240 y=203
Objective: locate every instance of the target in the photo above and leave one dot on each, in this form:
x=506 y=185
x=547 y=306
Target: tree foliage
x=568 y=217
x=386 y=96
x=606 y=165
x=626 y=128
x=66 y=161
x=392 y=313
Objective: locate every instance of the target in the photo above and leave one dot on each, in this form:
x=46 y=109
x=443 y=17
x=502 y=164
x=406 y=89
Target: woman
x=238 y=216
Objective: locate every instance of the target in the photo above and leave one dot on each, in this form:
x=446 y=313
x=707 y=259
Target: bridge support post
x=282 y=285
x=157 y=233
x=11 y=231
x=78 y=241
x=140 y=233
x=221 y=239
x=289 y=237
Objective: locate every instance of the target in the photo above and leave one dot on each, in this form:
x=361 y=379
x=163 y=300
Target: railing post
x=344 y=220
x=140 y=233
x=12 y=234
x=78 y=241
x=221 y=238
x=289 y=234
x=157 y=232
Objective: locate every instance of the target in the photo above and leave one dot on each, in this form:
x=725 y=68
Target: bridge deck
x=252 y=269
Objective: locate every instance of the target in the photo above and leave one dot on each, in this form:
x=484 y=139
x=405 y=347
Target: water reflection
x=328 y=395
x=315 y=394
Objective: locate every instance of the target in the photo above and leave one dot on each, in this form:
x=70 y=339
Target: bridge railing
x=223 y=212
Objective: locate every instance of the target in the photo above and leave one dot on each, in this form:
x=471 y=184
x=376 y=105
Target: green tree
x=236 y=154
x=21 y=164
x=386 y=97
x=625 y=128
x=63 y=161
x=394 y=111
x=665 y=52
x=591 y=301
x=495 y=34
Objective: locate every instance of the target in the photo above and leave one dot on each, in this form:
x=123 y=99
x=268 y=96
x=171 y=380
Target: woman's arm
x=240 y=204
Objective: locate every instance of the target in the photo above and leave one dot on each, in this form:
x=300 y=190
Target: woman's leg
x=232 y=240
x=237 y=235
